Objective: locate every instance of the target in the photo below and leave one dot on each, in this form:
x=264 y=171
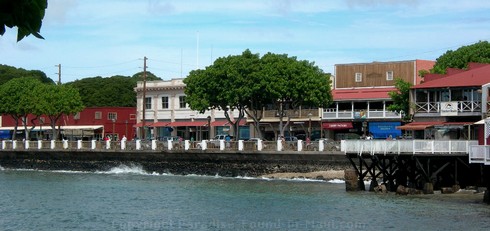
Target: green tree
x=8 y=72
x=478 y=53
x=26 y=15
x=247 y=83
x=401 y=98
x=294 y=83
x=18 y=99
x=58 y=100
x=149 y=76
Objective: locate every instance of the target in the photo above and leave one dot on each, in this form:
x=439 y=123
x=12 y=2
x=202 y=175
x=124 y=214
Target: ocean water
x=128 y=198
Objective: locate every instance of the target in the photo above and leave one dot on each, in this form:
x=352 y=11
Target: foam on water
x=124 y=169
x=1 y=168
x=336 y=181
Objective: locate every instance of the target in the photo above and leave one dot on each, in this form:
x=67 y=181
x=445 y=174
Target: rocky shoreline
x=317 y=175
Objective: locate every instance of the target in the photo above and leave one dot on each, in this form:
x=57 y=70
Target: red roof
x=147 y=124
x=364 y=93
x=476 y=76
x=187 y=124
x=424 y=125
x=160 y=124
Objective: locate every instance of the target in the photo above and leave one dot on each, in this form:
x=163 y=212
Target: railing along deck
x=154 y=145
x=480 y=154
x=407 y=146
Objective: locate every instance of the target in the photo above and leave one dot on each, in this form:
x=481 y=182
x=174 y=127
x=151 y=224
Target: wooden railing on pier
x=480 y=154
x=384 y=147
x=154 y=145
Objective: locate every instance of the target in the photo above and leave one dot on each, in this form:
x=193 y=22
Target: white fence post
x=65 y=144
x=204 y=145
x=259 y=145
x=170 y=145
x=221 y=145
x=153 y=144
x=107 y=144
x=138 y=144
x=123 y=144
x=3 y=144
x=300 y=145
x=39 y=144
x=321 y=145
x=279 y=145
x=14 y=144
x=26 y=144
x=240 y=145
x=94 y=145
x=79 y=144
x=186 y=144
x=53 y=144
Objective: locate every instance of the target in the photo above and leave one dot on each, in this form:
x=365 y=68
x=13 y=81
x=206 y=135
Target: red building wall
x=123 y=125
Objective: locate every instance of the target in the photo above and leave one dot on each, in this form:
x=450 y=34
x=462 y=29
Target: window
x=148 y=103
x=182 y=103
x=165 y=102
x=98 y=115
x=358 y=77
x=76 y=116
x=389 y=75
x=132 y=116
x=112 y=116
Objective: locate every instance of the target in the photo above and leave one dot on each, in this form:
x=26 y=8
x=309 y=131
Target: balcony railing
x=480 y=154
x=332 y=113
x=435 y=107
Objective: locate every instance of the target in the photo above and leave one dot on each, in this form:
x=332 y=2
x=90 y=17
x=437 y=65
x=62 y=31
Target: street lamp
x=309 y=125
x=113 y=126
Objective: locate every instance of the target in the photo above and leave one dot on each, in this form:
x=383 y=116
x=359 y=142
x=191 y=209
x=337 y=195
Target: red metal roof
x=160 y=124
x=364 y=93
x=187 y=124
x=424 y=125
x=226 y=123
x=476 y=76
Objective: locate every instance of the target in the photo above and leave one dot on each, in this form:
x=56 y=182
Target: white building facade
x=166 y=113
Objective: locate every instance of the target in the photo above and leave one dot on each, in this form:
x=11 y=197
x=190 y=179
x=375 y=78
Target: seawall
x=190 y=162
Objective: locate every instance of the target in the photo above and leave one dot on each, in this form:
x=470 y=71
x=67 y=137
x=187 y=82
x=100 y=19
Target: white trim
x=81 y=127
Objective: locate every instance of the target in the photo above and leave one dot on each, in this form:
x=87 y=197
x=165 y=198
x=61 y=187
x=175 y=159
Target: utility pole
x=144 y=99
x=59 y=73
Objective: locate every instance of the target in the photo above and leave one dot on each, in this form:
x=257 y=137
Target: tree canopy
x=8 y=72
x=115 y=91
x=248 y=82
x=478 y=53
x=401 y=98
x=26 y=15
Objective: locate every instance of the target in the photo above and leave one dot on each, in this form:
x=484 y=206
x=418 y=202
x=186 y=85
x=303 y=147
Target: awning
x=438 y=124
x=140 y=124
x=160 y=124
x=482 y=121
x=418 y=125
x=187 y=124
x=337 y=125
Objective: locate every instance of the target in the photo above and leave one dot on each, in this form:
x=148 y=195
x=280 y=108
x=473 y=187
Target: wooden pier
x=422 y=165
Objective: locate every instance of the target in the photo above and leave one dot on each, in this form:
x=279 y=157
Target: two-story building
x=446 y=106
x=91 y=123
x=165 y=113
x=360 y=94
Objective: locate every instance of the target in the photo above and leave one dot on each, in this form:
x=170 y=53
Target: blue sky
x=104 y=38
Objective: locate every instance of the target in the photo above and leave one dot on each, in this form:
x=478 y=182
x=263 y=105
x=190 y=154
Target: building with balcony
x=361 y=98
x=446 y=106
x=165 y=113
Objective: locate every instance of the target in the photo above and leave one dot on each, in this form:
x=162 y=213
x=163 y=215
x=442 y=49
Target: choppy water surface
x=127 y=198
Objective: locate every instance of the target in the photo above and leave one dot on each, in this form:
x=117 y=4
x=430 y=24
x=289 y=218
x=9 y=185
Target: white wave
x=124 y=169
x=1 y=168
x=336 y=181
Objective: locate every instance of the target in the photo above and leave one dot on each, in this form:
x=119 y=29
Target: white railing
x=332 y=113
x=407 y=146
x=479 y=154
x=434 y=107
